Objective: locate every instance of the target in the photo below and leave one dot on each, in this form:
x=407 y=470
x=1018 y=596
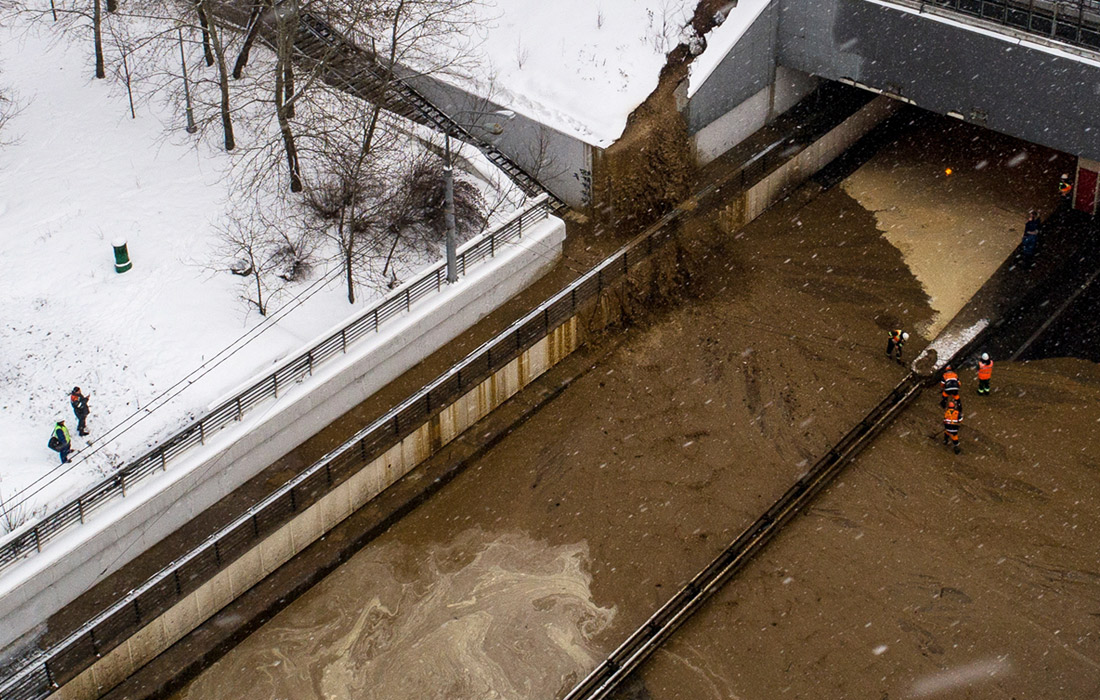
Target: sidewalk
x=1011 y=305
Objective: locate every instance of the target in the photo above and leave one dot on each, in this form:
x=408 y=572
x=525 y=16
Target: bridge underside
x=946 y=63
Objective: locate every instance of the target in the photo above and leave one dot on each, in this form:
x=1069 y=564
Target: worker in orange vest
x=952 y=419
x=949 y=386
x=1065 y=187
x=985 y=373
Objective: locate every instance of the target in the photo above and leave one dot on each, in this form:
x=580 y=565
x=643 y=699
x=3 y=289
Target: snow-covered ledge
x=34 y=589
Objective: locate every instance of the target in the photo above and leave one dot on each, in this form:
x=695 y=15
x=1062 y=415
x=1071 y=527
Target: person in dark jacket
x=61 y=441
x=80 y=407
x=1031 y=238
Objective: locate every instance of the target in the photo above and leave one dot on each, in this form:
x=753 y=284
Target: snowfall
x=78 y=173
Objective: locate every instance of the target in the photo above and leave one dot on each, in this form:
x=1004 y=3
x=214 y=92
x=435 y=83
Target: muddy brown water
x=921 y=574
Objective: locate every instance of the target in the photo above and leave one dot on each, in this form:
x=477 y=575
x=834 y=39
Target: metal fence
x=30 y=539
x=1074 y=22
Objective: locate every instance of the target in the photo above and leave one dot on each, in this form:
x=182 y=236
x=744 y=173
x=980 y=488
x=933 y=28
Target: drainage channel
x=649 y=637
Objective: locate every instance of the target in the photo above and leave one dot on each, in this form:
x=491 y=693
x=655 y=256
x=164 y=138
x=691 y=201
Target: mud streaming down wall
x=651 y=167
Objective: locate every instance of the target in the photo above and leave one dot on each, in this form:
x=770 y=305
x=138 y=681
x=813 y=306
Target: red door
x=1085 y=199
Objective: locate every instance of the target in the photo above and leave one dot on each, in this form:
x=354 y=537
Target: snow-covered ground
x=580 y=66
x=78 y=174
x=81 y=173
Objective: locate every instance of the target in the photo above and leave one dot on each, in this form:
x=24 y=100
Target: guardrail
x=30 y=538
x=1074 y=22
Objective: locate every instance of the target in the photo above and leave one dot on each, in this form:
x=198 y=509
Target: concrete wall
x=69 y=566
x=747 y=69
x=733 y=127
x=759 y=197
x=1025 y=90
x=561 y=162
x=314 y=522
x=745 y=91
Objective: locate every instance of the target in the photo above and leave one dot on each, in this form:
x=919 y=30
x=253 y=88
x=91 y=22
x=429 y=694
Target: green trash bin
x=122 y=256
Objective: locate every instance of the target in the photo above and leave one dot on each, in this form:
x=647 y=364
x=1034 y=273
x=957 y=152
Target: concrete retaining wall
x=71 y=565
x=762 y=195
x=560 y=161
x=742 y=121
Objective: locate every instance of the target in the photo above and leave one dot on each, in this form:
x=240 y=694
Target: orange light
x=948 y=171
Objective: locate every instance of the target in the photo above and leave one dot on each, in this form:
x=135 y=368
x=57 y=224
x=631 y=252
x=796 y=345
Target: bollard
x=122 y=256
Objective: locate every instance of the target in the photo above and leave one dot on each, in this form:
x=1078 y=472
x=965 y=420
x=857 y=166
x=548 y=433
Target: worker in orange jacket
x=952 y=419
x=949 y=386
x=985 y=373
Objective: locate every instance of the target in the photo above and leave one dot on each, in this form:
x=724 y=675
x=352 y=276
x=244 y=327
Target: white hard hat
x=985 y=357
x=905 y=336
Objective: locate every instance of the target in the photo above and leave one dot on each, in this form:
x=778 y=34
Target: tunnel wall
x=561 y=162
x=597 y=314
x=996 y=80
x=745 y=91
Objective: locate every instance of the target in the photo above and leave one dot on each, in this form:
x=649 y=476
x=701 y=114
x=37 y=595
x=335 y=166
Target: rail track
x=661 y=625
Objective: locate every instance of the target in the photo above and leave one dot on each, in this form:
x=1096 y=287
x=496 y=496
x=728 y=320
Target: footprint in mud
x=925 y=640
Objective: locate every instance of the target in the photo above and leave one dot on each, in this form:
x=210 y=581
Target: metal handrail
x=1072 y=22
x=45 y=672
x=30 y=538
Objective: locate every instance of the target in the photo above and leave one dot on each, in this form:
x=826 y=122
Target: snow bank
x=580 y=66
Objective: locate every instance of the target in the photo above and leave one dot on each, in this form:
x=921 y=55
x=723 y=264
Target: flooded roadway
x=547 y=551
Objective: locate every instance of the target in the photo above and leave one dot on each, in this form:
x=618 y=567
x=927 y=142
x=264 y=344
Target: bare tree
x=286 y=27
x=212 y=41
x=257 y=249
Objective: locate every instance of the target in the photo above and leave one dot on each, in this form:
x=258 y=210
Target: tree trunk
x=223 y=77
x=249 y=37
x=206 y=28
x=259 y=292
x=288 y=87
x=348 y=245
x=97 y=31
x=282 y=111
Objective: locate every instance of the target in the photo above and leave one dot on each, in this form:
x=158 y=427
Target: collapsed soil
x=921 y=572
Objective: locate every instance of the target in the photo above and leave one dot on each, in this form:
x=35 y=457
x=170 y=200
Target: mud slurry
x=650 y=462
x=482 y=615
x=922 y=574
x=955 y=229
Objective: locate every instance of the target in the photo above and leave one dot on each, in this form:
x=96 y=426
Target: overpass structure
x=1027 y=68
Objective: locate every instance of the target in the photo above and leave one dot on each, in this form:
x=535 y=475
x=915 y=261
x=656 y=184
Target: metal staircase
x=358 y=72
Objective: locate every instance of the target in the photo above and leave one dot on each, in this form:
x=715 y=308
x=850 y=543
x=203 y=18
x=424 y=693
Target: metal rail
x=30 y=539
x=647 y=638
x=1073 y=22
x=43 y=673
